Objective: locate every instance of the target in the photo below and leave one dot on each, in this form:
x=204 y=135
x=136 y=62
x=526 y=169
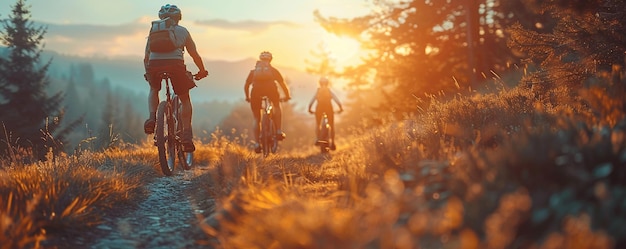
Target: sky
x=228 y=30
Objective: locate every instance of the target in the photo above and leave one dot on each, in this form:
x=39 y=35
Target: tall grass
x=513 y=169
x=43 y=204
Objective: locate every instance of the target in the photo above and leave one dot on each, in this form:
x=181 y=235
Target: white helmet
x=171 y=11
x=265 y=56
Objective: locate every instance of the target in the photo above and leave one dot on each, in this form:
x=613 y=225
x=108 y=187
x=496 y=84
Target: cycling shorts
x=181 y=79
x=258 y=92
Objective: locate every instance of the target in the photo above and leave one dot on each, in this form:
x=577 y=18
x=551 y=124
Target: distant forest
x=111 y=114
x=114 y=114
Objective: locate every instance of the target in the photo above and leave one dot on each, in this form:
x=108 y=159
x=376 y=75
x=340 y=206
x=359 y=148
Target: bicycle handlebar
x=337 y=112
x=265 y=97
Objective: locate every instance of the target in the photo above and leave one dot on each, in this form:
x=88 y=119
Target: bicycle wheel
x=265 y=135
x=273 y=138
x=185 y=159
x=164 y=142
x=324 y=137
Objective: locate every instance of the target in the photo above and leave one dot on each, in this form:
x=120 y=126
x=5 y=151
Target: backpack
x=161 y=38
x=263 y=71
x=323 y=96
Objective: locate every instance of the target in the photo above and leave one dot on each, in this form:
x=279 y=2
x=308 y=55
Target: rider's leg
x=318 y=120
x=257 y=124
x=278 y=116
x=278 y=119
x=255 y=107
x=186 y=111
x=153 y=102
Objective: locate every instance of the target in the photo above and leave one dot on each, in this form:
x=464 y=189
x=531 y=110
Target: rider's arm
x=336 y=100
x=193 y=52
x=246 y=87
x=281 y=82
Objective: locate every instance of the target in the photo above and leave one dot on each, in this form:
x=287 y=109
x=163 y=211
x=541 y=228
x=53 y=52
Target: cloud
x=91 y=39
x=249 y=25
x=90 y=32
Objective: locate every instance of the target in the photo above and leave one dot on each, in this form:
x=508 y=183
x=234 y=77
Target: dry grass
x=503 y=170
x=42 y=203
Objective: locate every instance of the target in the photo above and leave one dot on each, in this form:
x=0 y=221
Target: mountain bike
x=267 y=135
x=168 y=130
x=323 y=139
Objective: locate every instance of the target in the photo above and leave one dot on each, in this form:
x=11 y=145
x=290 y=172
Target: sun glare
x=345 y=51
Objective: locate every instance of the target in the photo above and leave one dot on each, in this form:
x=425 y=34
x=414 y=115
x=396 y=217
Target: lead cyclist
x=182 y=80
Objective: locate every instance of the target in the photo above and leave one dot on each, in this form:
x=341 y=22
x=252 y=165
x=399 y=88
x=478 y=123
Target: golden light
x=344 y=51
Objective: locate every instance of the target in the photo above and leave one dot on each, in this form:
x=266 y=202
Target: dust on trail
x=167 y=218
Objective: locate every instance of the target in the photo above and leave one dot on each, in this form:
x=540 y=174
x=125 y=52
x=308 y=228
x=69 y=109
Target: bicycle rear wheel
x=185 y=159
x=164 y=135
x=324 y=138
x=273 y=138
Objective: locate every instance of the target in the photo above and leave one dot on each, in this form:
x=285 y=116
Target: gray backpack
x=162 y=38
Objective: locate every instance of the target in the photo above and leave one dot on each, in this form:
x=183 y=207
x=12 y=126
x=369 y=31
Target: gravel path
x=167 y=218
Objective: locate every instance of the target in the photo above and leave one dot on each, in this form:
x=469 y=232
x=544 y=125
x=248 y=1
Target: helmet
x=323 y=80
x=171 y=11
x=265 y=56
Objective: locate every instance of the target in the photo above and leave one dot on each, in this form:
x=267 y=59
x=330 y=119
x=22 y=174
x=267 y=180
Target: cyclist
x=324 y=97
x=265 y=86
x=182 y=80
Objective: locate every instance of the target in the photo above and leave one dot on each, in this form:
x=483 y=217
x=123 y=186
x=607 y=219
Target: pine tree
x=324 y=63
x=422 y=48
x=587 y=37
x=30 y=117
x=108 y=133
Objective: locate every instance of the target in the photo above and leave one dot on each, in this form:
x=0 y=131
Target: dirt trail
x=165 y=219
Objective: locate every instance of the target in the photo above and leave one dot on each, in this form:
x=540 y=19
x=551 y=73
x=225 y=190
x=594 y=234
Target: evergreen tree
x=324 y=63
x=587 y=37
x=421 y=48
x=30 y=117
x=131 y=124
x=72 y=101
x=108 y=132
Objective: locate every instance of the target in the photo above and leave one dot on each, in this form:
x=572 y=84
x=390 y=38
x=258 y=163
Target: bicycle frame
x=167 y=127
x=267 y=134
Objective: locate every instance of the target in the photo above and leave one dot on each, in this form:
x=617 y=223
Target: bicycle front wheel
x=164 y=134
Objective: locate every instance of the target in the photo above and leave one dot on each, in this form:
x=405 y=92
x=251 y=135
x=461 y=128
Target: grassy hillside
x=512 y=169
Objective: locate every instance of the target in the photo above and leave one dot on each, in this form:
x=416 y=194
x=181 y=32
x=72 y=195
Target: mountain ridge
x=224 y=83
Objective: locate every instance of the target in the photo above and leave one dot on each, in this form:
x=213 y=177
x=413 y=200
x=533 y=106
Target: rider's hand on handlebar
x=311 y=111
x=285 y=99
x=201 y=74
x=248 y=99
